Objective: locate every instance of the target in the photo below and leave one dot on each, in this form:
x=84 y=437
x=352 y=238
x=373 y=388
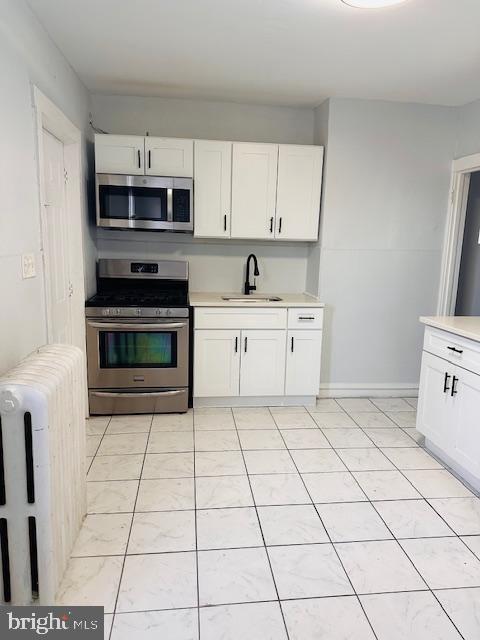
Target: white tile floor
x=287 y=524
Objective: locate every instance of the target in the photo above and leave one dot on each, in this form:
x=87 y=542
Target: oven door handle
x=152 y=394
x=125 y=325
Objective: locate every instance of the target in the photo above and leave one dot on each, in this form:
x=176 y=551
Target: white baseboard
x=368 y=390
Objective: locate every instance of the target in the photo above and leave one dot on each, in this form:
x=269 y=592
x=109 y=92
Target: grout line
x=196 y=532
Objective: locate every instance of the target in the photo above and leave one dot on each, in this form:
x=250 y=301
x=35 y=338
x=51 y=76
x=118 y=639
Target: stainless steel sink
x=251 y=299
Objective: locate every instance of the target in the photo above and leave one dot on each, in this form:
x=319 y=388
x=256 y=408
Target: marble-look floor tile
x=167 y=494
x=355 y=405
x=127 y=467
x=412 y=519
x=103 y=535
x=96 y=425
x=385 y=485
x=115 y=496
x=415 y=435
x=269 y=462
x=253 y=418
x=414 y=458
x=129 y=424
x=228 y=528
x=325 y=405
x=392 y=404
x=463 y=607
x=219 y=463
x=292 y=524
x=261 y=439
x=374 y=419
x=255 y=621
x=212 y=411
x=462 y=514
x=412 y=616
x=158 y=581
x=365 y=460
x=308 y=571
x=437 y=484
x=350 y=522
x=381 y=566
x=317 y=460
x=107 y=625
x=160 y=532
x=473 y=543
x=123 y=443
x=91 y=582
x=393 y=437
x=333 y=487
x=305 y=439
x=403 y=418
x=413 y=402
x=444 y=563
x=234 y=575
x=173 y=422
x=170 y=442
x=285 y=420
x=223 y=491
x=92 y=443
x=337 y=618
x=347 y=438
x=152 y=625
x=278 y=489
x=287 y=409
x=335 y=420
x=216 y=441
x=168 y=465
x=213 y=421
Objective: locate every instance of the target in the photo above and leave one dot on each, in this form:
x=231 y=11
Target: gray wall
x=27 y=56
x=468 y=296
x=468 y=129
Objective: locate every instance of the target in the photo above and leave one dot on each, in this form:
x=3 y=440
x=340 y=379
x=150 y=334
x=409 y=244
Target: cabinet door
x=216 y=363
x=169 y=157
x=213 y=186
x=262 y=371
x=435 y=413
x=465 y=427
x=298 y=192
x=254 y=186
x=119 y=154
x=304 y=349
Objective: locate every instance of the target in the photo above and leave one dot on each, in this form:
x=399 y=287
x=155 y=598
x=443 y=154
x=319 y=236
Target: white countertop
x=214 y=299
x=465 y=326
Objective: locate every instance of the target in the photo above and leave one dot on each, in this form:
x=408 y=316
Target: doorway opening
x=468 y=287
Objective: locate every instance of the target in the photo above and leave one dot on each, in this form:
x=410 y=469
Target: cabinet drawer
x=457 y=350
x=305 y=318
x=224 y=318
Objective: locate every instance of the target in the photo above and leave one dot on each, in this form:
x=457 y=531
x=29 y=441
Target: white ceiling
x=290 y=52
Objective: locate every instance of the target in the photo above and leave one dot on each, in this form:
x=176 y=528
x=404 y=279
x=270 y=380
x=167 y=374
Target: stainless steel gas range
x=138 y=337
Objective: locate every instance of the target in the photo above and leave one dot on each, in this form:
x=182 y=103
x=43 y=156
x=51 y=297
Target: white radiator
x=42 y=472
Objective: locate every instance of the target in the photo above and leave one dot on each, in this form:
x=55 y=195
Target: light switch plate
x=28 y=265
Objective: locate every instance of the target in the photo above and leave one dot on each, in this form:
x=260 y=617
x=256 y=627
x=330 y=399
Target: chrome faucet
x=248 y=287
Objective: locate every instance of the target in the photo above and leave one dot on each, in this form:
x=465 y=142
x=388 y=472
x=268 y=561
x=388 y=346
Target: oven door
x=144 y=202
x=137 y=353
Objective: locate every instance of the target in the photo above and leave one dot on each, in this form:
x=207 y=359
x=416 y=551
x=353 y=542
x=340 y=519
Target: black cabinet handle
x=271 y=224
x=455 y=349
x=445 y=382
x=280 y=226
x=306 y=317
x=149 y=159
x=225 y=222
x=246 y=342
x=236 y=344
x=292 y=345
x=454 y=386
x=139 y=159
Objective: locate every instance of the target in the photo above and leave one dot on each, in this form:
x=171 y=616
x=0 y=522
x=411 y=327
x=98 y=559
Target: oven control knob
x=138 y=312
x=169 y=312
x=105 y=312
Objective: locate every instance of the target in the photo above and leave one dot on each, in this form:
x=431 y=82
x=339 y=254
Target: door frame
x=50 y=118
x=462 y=168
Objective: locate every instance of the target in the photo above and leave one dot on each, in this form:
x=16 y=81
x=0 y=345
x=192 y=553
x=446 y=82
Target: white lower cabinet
x=304 y=350
x=262 y=371
x=216 y=363
x=449 y=411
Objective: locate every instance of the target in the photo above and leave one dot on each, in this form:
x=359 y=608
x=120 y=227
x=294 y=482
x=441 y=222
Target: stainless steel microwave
x=144 y=202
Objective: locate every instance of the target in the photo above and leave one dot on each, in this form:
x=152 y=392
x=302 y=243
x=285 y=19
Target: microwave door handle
x=170 y=205
x=125 y=325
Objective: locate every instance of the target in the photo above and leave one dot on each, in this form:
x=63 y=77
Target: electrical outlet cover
x=28 y=265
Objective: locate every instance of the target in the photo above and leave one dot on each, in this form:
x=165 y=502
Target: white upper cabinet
x=298 y=192
x=169 y=157
x=262 y=371
x=119 y=154
x=254 y=183
x=304 y=350
x=213 y=187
